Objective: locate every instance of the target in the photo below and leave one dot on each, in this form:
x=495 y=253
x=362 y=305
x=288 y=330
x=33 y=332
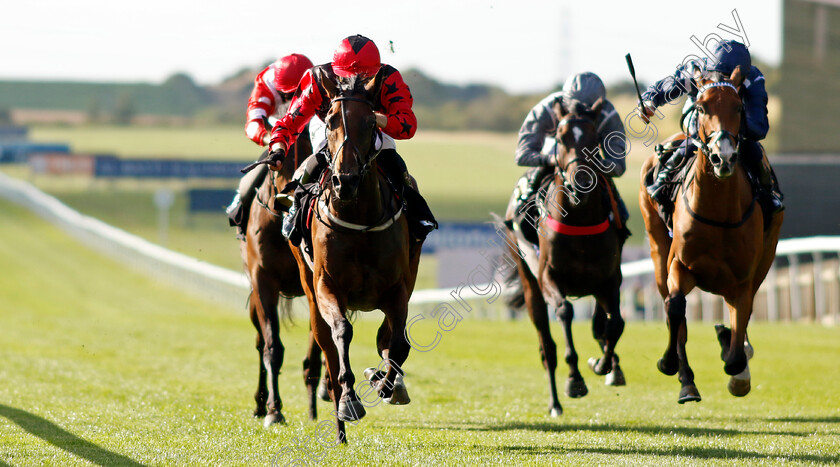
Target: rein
x=385 y=221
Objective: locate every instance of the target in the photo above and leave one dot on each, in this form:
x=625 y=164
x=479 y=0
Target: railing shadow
x=63 y=439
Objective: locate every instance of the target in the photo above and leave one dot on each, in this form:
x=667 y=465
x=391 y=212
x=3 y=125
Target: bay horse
x=579 y=254
x=719 y=242
x=273 y=273
x=362 y=257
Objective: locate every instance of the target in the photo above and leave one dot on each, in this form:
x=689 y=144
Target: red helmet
x=288 y=71
x=356 y=55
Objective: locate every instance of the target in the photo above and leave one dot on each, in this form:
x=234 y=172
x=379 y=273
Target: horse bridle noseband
x=364 y=165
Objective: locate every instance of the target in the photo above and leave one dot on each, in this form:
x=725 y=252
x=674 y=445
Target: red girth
x=566 y=229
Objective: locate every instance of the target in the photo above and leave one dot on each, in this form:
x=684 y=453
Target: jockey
x=273 y=89
x=536 y=147
x=355 y=55
x=728 y=55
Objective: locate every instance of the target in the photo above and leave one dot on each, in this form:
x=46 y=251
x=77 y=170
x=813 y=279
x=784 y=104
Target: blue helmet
x=728 y=55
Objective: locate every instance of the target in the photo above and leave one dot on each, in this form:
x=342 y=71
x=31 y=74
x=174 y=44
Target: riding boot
x=656 y=190
x=768 y=186
x=240 y=207
x=312 y=167
x=420 y=217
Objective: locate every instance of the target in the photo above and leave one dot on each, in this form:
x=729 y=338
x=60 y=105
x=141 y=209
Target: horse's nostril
x=715 y=159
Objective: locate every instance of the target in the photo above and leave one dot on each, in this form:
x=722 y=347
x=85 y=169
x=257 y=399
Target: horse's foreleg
x=350 y=407
x=538 y=312
x=680 y=283
x=312 y=374
x=740 y=309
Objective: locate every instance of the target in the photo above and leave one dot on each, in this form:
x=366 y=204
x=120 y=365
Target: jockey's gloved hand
x=276 y=156
x=645 y=111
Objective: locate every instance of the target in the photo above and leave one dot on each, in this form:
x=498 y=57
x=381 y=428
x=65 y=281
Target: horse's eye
x=700 y=109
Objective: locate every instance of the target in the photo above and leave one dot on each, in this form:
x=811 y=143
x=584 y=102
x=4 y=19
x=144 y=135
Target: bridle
x=364 y=165
x=563 y=168
x=714 y=137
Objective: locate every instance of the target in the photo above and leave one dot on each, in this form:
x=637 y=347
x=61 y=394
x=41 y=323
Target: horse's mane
x=351 y=85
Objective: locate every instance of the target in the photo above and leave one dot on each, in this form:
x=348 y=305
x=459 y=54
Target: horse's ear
x=698 y=75
x=736 y=78
x=559 y=109
x=373 y=88
x=598 y=105
x=328 y=82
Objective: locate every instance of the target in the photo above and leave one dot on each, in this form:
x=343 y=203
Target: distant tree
x=184 y=94
x=94 y=110
x=5 y=116
x=124 y=109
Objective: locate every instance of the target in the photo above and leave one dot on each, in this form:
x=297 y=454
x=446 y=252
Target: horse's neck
x=574 y=210
x=367 y=207
x=723 y=200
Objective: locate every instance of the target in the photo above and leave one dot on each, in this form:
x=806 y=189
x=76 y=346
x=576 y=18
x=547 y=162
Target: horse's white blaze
x=726 y=149
x=578 y=133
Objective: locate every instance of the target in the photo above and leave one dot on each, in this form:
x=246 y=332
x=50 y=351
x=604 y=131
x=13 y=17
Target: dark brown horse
x=719 y=241
x=274 y=275
x=579 y=254
x=362 y=255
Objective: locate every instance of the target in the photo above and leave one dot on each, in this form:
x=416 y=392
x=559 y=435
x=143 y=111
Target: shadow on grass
x=61 y=438
x=805 y=419
x=688 y=451
x=3 y=464
x=608 y=428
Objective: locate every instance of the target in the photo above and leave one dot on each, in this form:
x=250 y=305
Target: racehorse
x=362 y=257
x=719 y=243
x=273 y=273
x=579 y=253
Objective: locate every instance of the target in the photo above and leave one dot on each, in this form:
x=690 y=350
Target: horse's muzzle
x=723 y=168
x=346 y=185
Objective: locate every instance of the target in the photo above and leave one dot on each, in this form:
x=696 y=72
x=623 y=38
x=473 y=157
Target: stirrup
x=289 y=222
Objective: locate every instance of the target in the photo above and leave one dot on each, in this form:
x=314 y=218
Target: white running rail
x=810 y=289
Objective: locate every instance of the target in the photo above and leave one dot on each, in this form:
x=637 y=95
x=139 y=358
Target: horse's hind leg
x=261 y=395
x=273 y=350
x=312 y=374
x=575 y=386
x=601 y=326
x=610 y=330
x=393 y=348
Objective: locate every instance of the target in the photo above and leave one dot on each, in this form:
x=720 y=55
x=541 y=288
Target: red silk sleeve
x=260 y=105
x=396 y=100
x=304 y=104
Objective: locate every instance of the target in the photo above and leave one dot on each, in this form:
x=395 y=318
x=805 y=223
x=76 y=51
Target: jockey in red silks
x=273 y=90
x=355 y=56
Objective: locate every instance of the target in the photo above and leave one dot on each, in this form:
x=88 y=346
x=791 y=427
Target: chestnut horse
x=363 y=258
x=273 y=273
x=579 y=254
x=719 y=242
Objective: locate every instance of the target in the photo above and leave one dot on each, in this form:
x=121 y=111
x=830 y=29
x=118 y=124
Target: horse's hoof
x=615 y=377
x=738 y=387
x=599 y=366
x=400 y=394
x=324 y=391
x=576 y=388
x=556 y=411
x=273 y=418
x=668 y=368
x=350 y=410
x=689 y=393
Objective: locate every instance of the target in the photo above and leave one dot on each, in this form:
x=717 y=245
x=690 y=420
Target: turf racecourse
x=106 y=367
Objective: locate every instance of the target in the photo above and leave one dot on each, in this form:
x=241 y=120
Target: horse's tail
x=284 y=308
x=515 y=300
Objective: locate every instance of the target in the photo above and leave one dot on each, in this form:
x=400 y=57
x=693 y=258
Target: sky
x=522 y=46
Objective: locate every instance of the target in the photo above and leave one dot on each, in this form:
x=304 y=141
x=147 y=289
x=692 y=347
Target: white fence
x=803 y=284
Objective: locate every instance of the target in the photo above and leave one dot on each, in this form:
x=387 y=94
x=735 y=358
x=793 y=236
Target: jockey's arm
x=539 y=123
x=755 y=106
x=396 y=101
x=612 y=142
x=671 y=87
x=306 y=101
x=261 y=104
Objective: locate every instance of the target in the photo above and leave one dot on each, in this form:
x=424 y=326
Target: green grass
x=103 y=366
